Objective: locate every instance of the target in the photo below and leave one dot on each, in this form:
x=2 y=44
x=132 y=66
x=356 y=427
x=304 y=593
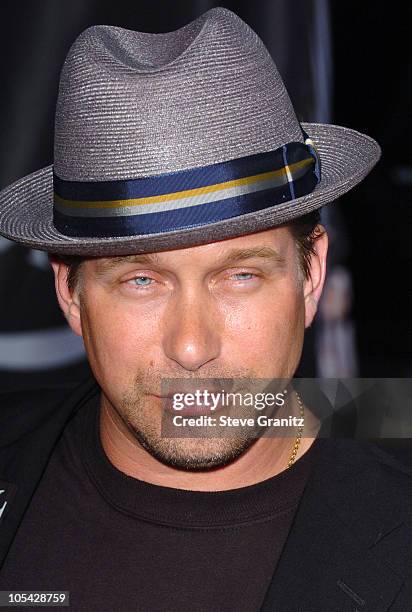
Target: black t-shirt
x=118 y=543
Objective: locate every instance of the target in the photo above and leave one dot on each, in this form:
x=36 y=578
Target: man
x=181 y=218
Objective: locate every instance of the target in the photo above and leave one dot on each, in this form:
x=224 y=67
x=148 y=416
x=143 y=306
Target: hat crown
x=134 y=104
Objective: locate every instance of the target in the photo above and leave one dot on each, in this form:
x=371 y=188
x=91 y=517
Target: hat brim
x=26 y=206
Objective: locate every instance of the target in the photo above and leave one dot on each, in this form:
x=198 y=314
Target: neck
x=267 y=457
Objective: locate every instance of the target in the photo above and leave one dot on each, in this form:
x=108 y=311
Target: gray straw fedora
x=170 y=140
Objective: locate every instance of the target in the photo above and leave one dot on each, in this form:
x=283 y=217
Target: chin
x=194 y=454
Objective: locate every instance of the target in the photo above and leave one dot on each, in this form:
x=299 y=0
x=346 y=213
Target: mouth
x=175 y=406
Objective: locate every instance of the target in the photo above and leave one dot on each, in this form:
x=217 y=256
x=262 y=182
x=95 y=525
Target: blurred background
x=342 y=62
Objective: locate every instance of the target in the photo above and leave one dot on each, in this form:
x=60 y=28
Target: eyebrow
x=264 y=252
x=233 y=256
x=110 y=263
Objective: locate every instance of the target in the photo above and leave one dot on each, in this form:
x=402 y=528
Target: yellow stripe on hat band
x=189 y=193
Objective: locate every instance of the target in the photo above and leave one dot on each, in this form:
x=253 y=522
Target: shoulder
x=23 y=402
x=395 y=450
x=368 y=488
x=389 y=452
x=12 y=402
x=376 y=465
x=26 y=410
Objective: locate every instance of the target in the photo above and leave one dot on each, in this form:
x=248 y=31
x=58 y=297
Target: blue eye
x=249 y=275
x=142 y=278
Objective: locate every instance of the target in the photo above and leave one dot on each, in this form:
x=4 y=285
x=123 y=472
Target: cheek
x=266 y=336
x=117 y=341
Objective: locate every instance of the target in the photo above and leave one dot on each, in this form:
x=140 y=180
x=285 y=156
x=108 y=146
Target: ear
x=68 y=300
x=313 y=286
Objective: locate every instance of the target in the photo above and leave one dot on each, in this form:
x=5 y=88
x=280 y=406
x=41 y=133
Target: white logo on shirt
x=5 y=503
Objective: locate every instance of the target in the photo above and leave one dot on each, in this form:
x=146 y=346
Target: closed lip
x=190 y=388
x=186 y=410
x=171 y=395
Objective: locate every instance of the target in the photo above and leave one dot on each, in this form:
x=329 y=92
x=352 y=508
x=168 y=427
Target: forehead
x=274 y=245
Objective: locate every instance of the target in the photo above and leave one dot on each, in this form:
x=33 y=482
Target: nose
x=191 y=332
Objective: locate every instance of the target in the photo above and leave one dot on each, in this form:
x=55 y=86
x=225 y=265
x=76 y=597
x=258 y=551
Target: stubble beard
x=195 y=454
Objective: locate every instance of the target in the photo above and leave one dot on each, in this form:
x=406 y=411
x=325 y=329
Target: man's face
x=230 y=309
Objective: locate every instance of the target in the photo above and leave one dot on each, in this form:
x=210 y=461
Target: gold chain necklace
x=299 y=436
